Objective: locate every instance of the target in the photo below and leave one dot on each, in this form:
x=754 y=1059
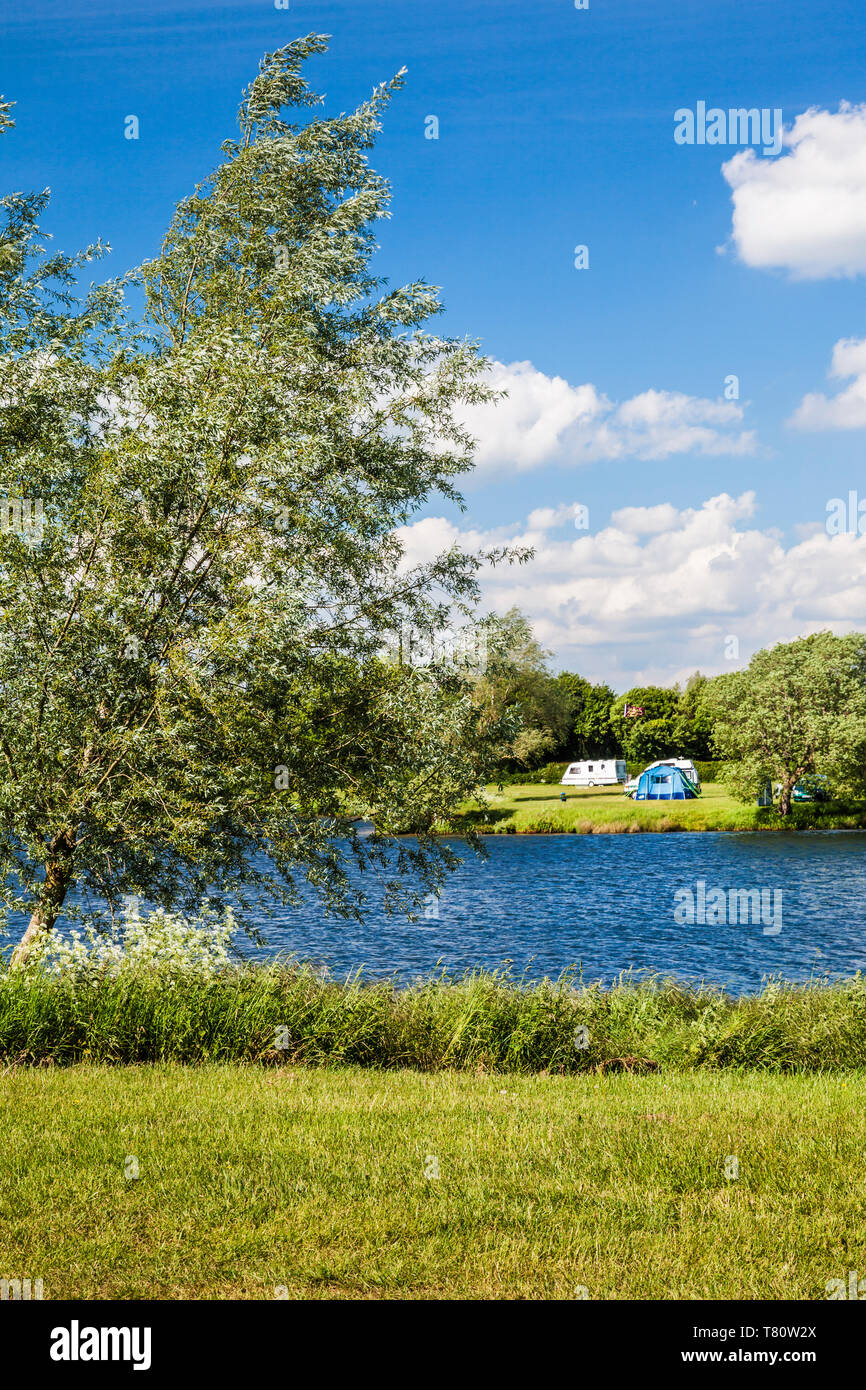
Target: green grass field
x=321 y=1183
x=535 y=808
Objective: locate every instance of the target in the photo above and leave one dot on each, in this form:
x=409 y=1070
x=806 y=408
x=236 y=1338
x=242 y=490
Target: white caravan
x=600 y=772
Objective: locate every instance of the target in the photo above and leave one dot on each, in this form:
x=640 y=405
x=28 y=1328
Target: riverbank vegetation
x=191 y=1004
x=179 y=1125
x=236 y=1182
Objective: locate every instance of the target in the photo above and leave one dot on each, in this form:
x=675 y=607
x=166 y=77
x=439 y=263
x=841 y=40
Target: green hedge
x=549 y=774
x=709 y=771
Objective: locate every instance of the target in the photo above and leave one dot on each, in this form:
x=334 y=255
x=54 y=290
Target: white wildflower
x=165 y=943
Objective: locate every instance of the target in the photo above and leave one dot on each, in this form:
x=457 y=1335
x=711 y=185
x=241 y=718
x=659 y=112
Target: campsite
x=534 y=808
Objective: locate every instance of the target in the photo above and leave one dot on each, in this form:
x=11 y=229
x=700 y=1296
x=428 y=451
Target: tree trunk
x=58 y=873
x=785 y=797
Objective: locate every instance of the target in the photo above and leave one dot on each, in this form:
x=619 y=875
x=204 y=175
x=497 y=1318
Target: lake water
x=606 y=903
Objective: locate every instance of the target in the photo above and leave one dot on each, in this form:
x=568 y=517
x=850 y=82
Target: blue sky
x=556 y=129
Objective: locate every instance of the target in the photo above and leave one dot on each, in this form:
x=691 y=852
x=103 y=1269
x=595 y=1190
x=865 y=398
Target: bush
x=164 y=942
x=709 y=771
x=549 y=775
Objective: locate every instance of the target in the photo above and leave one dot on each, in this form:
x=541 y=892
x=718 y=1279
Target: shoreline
x=286 y=1012
x=636 y=829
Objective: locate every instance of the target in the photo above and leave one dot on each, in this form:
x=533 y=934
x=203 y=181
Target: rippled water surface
x=606 y=902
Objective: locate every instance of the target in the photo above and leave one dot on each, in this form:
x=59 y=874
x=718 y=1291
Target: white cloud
x=654 y=595
x=645 y=521
x=805 y=211
x=545 y=420
x=546 y=518
x=847 y=410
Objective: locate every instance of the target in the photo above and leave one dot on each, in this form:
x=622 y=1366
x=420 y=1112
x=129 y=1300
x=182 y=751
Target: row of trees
x=566 y=716
x=798 y=709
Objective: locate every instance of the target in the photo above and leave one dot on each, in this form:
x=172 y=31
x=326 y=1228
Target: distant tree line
x=797 y=710
x=566 y=716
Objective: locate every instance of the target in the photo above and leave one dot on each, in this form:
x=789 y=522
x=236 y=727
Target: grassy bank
x=281 y=1015
x=322 y=1184
x=535 y=809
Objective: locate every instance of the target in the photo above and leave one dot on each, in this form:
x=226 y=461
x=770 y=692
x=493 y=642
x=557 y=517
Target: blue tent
x=664 y=784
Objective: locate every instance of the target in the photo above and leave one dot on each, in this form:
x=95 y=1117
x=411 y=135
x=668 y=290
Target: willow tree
x=195 y=691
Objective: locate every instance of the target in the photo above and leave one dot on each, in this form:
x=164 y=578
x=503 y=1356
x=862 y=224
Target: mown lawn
x=536 y=808
x=321 y=1183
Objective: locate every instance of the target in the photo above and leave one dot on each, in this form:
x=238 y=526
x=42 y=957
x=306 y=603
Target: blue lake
x=606 y=903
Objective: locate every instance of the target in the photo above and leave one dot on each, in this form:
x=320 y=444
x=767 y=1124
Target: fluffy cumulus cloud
x=545 y=420
x=805 y=211
x=659 y=592
x=847 y=409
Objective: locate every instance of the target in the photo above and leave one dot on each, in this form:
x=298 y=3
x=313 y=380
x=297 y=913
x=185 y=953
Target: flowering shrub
x=165 y=942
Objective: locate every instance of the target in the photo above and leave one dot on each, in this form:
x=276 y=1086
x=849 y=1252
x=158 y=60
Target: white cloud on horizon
x=805 y=211
x=654 y=595
x=544 y=420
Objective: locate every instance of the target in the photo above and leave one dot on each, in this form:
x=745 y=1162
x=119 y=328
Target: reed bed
x=286 y=1013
